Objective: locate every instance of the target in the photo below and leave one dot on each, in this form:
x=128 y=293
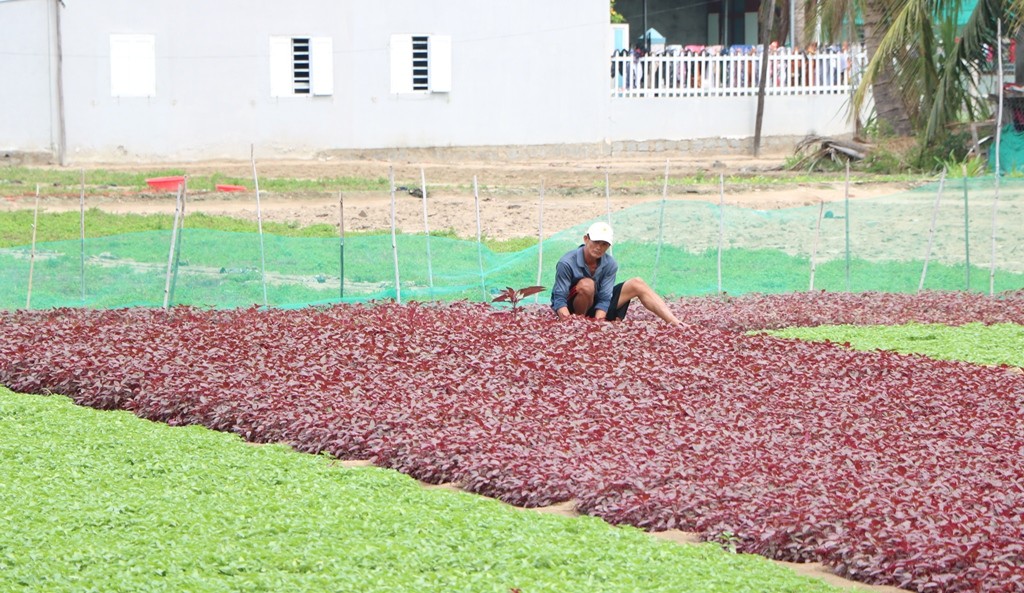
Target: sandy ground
x=515 y=199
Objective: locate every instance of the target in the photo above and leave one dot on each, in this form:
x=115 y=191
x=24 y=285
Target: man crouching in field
x=585 y=283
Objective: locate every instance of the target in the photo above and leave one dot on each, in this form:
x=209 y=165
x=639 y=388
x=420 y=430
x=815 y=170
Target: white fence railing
x=733 y=75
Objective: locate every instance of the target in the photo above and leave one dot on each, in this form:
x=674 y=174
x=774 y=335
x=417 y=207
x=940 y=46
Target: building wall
x=532 y=77
x=27 y=99
x=728 y=117
x=531 y=72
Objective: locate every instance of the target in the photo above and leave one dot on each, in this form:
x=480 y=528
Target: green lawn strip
x=977 y=343
x=16 y=228
x=23 y=181
x=105 y=501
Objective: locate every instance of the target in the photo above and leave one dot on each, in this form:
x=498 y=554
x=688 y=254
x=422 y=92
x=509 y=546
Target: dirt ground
x=510 y=193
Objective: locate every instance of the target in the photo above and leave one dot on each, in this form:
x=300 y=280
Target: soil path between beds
x=516 y=199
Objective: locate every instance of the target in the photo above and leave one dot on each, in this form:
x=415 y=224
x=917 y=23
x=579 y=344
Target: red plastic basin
x=226 y=187
x=166 y=183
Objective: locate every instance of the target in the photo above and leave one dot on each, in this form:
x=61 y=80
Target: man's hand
x=563 y=313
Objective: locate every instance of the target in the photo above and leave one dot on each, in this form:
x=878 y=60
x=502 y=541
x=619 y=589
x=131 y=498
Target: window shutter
x=440 y=63
x=281 y=84
x=401 y=63
x=321 y=66
x=132 y=66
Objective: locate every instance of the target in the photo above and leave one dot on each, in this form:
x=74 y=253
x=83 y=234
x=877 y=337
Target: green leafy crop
x=104 y=501
x=1001 y=343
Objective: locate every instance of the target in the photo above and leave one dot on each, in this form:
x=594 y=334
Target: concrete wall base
x=25 y=158
x=774 y=145
x=702 y=146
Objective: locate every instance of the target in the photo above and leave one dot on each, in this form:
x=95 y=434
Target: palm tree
x=922 y=70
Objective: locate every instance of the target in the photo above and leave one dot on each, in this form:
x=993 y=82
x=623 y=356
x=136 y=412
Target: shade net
x=960 y=238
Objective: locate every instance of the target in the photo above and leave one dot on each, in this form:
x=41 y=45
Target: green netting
x=1011 y=145
x=680 y=247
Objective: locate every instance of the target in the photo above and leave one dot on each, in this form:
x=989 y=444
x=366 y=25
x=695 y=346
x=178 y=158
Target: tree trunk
x=888 y=104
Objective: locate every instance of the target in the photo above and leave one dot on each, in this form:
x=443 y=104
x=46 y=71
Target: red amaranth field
x=892 y=469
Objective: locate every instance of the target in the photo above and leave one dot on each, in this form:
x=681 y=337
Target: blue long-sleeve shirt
x=572 y=267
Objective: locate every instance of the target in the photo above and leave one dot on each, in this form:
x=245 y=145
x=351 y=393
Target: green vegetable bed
x=104 y=501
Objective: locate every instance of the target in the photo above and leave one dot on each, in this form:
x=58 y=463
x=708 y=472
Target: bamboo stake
x=32 y=254
x=846 y=222
x=999 y=89
x=426 y=229
x=540 y=240
x=999 y=171
x=177 y=244
x=931 y=232
x=81 y=226
x=479 y=239
x=394 y=238
x=259 y=224
x=608 y=198
x=341 y=245
x=607 y=204
x=661 y=228
x=967 y=236
x=992 y=259
x=817 y=234
x=170 y=252
x=721 y=226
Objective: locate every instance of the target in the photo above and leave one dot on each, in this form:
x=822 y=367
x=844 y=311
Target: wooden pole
x=721 y=226
x=992 y=260
x=177 y=244
x=394 y=238
x=32 y=254
x=661 y=228
x=846 y=221
x=81 y=228
x=967 y=236
x=759 y=117
x=426 y=230
x=999 y=172
x=259 y=224
x=607 y=204
x=170 y=252
x=341 y=245
x=608 y=198
x=931 y=232
x=479 y=239
x=540 y=240
x=817 y=234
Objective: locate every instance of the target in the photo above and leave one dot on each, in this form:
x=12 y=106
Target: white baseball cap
x=600 y=231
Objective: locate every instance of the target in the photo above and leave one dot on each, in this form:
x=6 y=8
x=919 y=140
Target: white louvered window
x=421 y=64
x=132 y=66
x=301 y=66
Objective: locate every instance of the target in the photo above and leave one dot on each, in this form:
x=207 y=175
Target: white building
x=185 y=80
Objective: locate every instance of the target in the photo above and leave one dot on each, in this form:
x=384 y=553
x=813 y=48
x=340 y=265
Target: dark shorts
x=613 y=313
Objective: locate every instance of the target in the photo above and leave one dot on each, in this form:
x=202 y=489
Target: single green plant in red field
x=515 y=295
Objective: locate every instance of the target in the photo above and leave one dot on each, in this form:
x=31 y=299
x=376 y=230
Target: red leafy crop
x=891 y=469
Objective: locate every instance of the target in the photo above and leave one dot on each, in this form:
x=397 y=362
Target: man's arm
x=560 y=292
